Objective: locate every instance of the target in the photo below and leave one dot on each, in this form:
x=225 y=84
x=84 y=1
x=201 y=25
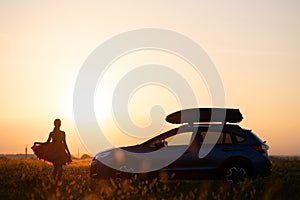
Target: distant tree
x=3 y=157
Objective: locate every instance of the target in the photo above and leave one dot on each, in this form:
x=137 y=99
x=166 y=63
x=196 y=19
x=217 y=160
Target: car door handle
x=227 y=149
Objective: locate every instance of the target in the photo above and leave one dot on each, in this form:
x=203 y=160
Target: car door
x=186 y=145
x=220 y=151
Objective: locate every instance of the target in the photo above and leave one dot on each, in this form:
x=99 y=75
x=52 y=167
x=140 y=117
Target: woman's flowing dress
x=54 y=151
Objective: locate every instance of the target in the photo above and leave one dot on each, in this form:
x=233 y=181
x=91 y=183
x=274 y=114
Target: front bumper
x=99 y=170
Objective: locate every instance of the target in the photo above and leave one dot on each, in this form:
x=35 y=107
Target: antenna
x=25 y=152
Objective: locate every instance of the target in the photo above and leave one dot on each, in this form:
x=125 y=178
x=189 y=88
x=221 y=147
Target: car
x=235 y=155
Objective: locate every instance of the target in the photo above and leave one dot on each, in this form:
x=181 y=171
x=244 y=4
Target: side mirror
x=159 y=143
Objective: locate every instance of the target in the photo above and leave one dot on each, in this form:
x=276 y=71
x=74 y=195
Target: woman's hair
x=57 y=123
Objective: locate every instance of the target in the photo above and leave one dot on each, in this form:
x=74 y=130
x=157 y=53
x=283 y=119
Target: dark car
x=235 y=155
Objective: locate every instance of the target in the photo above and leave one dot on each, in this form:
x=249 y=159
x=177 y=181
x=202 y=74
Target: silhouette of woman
x=56 y=151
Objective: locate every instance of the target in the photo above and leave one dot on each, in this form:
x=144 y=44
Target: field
x=30 y=179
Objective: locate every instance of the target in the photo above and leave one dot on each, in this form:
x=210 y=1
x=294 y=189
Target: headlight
x=102 y=155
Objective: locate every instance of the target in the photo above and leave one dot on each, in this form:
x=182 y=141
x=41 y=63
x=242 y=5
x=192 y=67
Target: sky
x=254 y=45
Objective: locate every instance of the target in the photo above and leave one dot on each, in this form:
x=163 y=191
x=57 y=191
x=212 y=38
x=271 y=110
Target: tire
x=236 y=174
x=124 y=173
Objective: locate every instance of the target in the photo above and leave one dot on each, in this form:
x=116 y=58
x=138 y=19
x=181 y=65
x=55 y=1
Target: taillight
x=262 y=148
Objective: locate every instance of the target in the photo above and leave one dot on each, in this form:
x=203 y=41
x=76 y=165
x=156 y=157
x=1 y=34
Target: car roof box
x=205 y=115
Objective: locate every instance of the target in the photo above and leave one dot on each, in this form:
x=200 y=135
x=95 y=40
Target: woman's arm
x=48 y=140
x=66 y=146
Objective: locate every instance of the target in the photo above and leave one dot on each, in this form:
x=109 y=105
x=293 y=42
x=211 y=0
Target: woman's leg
x=59 y=171
x=54 y=172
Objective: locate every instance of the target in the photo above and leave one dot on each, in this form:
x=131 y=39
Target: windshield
x=181 y=130
x=162 y=136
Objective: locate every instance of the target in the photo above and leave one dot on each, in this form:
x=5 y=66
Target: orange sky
x=254 y=45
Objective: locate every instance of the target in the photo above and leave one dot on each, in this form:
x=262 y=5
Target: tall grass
x=30 y=179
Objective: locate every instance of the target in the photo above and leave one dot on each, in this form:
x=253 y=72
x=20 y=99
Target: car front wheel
x=124 y=173
x=236 y=174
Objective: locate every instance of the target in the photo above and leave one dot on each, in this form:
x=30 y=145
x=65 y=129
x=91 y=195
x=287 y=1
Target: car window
x=224 y=138
x=239 y=138
x=204 y=134
x=180 y=139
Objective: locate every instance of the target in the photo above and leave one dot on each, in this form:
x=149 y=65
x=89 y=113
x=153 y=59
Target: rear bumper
x=267 y=169
x=263 y=168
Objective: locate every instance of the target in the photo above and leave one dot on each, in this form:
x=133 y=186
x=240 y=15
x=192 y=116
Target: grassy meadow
x=30 y=179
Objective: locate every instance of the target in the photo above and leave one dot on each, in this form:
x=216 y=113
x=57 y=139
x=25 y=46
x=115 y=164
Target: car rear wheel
x=236 y=174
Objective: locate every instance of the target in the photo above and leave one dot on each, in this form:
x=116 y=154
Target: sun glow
x=66 y=105
x=43 y=47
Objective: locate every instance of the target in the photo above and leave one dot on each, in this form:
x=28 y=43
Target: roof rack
x=210 y=125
